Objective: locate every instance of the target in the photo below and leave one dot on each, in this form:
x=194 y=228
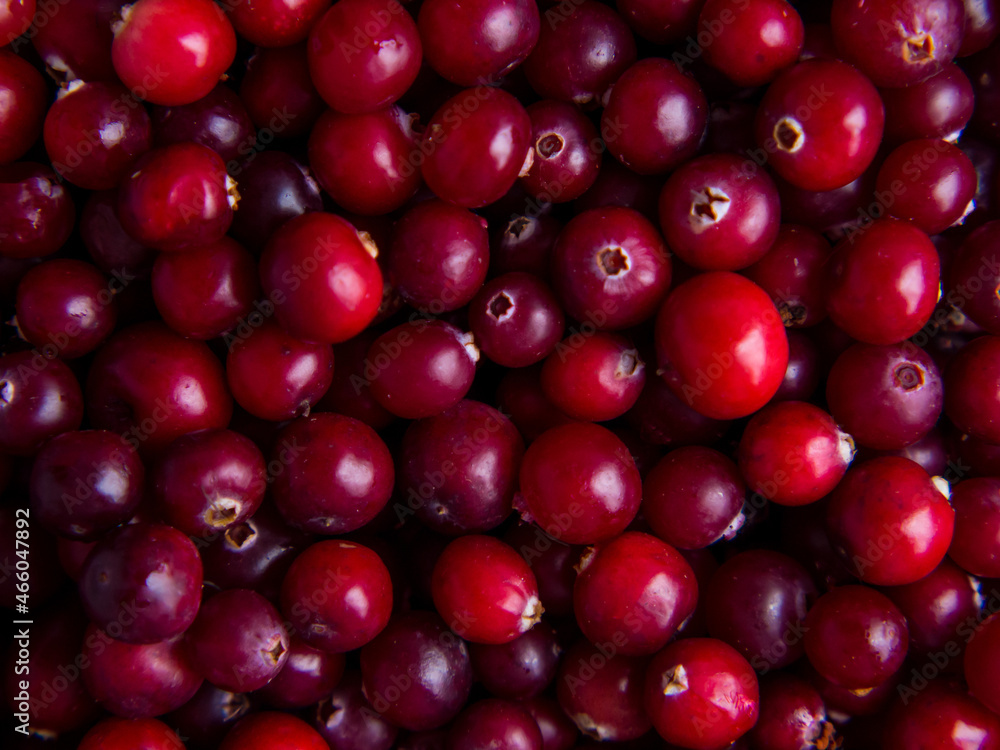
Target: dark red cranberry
x=558 y=730
x=117 y=734
x=552 y=562
x=520 y=395
x=820 y=124
x=721 y=345
x=792 y=716
x=637 y=581
x=85 y=483
x=855 y=637
x=972 y=389
x=417 y=672
x=719 y=215
x=177 y=197
x=209 y=481
x=72 y=555
x=655 y=117
x=756 y=602
x=803 y=373
x=692 y=497
x=901 y=399
x=39 y=399
x=617 y=185
x=172 y=52
x=279 y=94
x=477 y=144
x=307 y=677
x=36 y=211
x=25 y=101
x=497 y=725
x=142 y=583
x=76 y=41
x=594 y=378
x=610 y=268
x=793 y=453
x=939 y=107
x=366 y=162
x=217 y=120
x=898 y=44
x=579 y=483
x=138 y=681
x=521 y=668
x=337 y=595
x=929 y=452
x=700 y=693
x=439 y=256
x=361 y=72
x=661 y=22
x=345 y=719
x=830 y=211
x=601 y=691
x=977 y=526
x=793 y=272
x=270 y=730
x=206 y=719
x=458 y=469
x=276 y=23
x=751 y=42
x=982 y=24
x=65 y=307
x=350 y=392
x=523 y=244
x=152 y=386
x=974 y=276
x=662 y=418
x=982 y=659
x=940 y=716
x=109 y=246
x=566 y=152
x=516 y=320
x=583 y=48
x=321 y=275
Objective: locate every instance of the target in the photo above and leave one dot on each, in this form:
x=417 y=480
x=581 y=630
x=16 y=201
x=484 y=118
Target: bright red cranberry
x=552 y=562
x=610 y=268
x=177 y=197
x=39 y=399
x=276 y=23
x=939 y=107
x=458 y=469
x=334 y=474
x=821 y=124
x=752 y=42
x=982 y=25
x=94 y=131
x=972 y=389
x=516 y=320
x=346 y=720
x=756 y=602
x=792 y=716
x=484 y=590
x=856 y=637
x=15 y=18
x=793 y=272
x=276 y=376
x=209 y=481
x=595 y=378
x=583 y=48
x=85 y=483
x=66 y=308
x=495 y=724
x=719 y=216
x=974 y=277
x=279 y=94
x=898 y=43
x=692 y=497
x=601 y=691
x=109 y=246
x=523 y=244
x=901 y=399
x=941 y=716
x=142 y=583
x=637 y=581
x=883 y=282
x=217 y=120
x=152 y=386
x=36 y=211
x=721 y=345
x=566 y=154
x=655 y=117
x=521 y=668
x=889 y=521
x=700 y=693
x=361 y=72
x=579 y=483
x=977 y=526
x=118 y=734
x=138 y=681
x=321 y=275
x=422 y=368
x=366 y=162
x=307 y=677
x=173 y=51
x=417 y=672
x=270 y=730
x=793 y=453
x=477 y=144
x=337 y=595
x=982 y=659
x=22 y=113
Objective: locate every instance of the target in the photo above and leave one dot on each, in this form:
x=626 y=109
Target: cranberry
x=792 y=716
x=75 y=43
x=939 y=107
x=39 y=399
x=36 y=211
x=981 y=660
x=172 y=52
x=982 y=24
x=661 y=22
x=279 y=94
x=307 y=677
x=655 y=118
x=662 y=418
x=974 y=278
x=217 y=120
x=118 y=734
x=793 y=272
x=898 y=44
x=276 y=23
x=972 y=396
x=109 y=246
x=516 y=320
x=361 y=72
x=345 y=719
x=617 y=185
x=206 y=719
x=320 y=273
x=520 y=395
x=610 y=268
x=350 y=392
x=977 y=526
x=519 y=669
x=270 y=730
x=566 y=154
x=25 y=100
x=821 y=123
x=552 y=562
x=701 y=693
x=15 y=18
x=752 y=42
x=498 y=724
x=419 y=651
x=523 y=243
x=721 y=345
x=579 y=483
x=719 y=216
x=943 y=717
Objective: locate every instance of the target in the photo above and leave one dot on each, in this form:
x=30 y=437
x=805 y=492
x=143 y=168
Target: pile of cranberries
x=500 y=374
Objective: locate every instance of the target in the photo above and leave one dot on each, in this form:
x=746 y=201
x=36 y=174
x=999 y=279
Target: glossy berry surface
x=521 y=668
x=495 y=724
x=755 y=41
x=23 y=111
x=38 y=213
x=516 y=319
x=307 y=677
x=114 y=733
x=277 y=731
x=276 y=23
x=974 y=278
x=971 y=400
x=944 y=716
x=977 y=526
x=41 y=399
x=566 y=152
